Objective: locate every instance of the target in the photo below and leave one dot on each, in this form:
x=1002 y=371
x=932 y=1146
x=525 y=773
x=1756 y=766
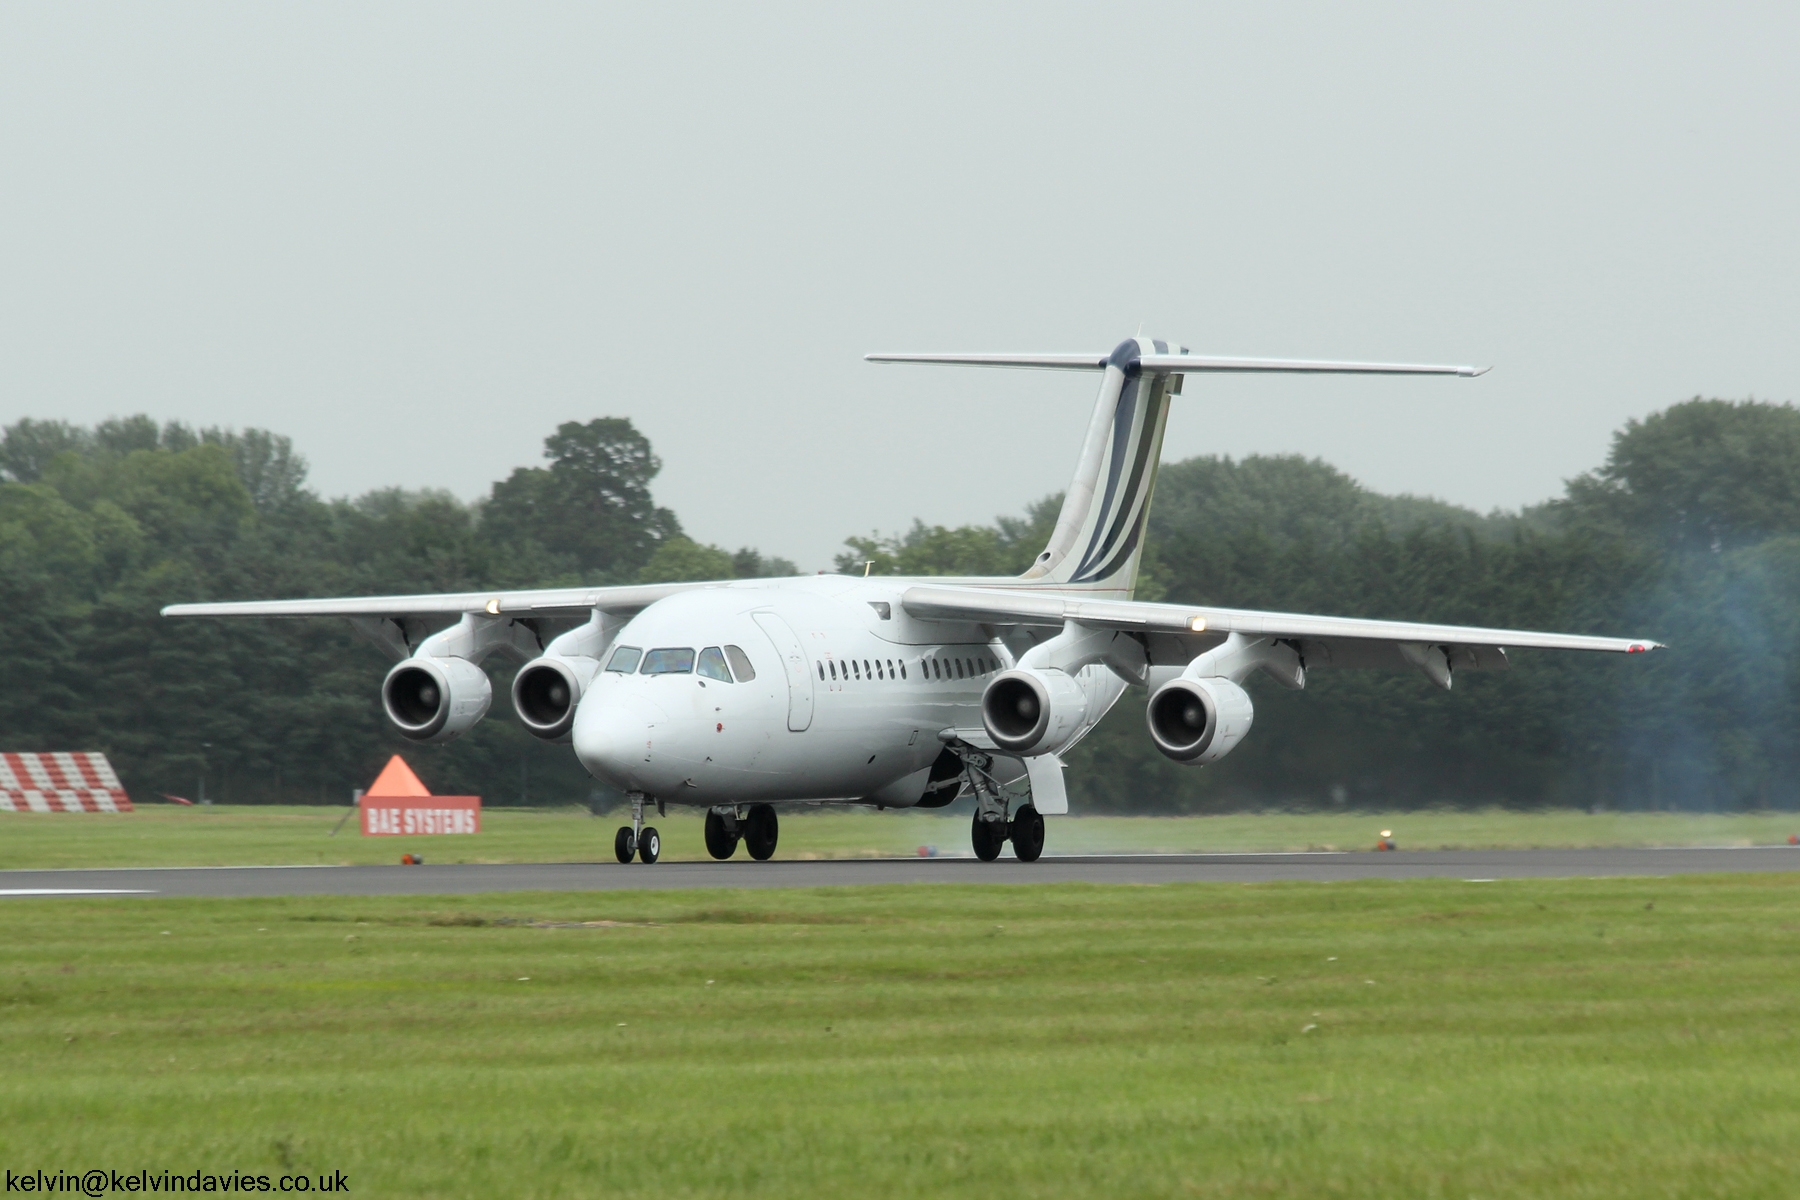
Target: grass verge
x=1583 y=1038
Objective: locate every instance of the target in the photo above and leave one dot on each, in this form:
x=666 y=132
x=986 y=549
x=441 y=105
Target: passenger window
x=867 y=674
x=821 y=667
x=740 y=664
x=712 y=664
x=937 y=670
x=903 y=668
x=624 y=660
x=833 y=668
x=670 y=660
x=858 y=669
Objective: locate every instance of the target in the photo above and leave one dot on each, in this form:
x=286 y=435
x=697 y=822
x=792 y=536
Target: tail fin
x=1099 y=536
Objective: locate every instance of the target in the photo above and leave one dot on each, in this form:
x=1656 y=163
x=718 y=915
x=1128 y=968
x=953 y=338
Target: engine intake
x=1198 y=721
x=436 y=699
x=1033 y=712
x=544 y=694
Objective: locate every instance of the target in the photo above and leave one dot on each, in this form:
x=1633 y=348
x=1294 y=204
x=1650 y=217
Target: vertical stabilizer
x=1099 y=536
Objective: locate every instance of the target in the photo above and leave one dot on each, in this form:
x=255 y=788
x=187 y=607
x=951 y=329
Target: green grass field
x=164 y=836
x=1584 y=1038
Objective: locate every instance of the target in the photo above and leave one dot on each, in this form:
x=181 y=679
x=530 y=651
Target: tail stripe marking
x=1122 y=532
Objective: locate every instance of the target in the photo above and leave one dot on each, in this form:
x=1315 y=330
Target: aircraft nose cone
x=616 y=742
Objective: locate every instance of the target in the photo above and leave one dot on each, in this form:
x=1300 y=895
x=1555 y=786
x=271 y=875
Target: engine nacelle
x=1033 y=712
x=436 y=699
x=1197 y=721
x=544 y=694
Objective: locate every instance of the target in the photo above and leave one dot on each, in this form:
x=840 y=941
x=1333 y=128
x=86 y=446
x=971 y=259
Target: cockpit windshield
x=669 y=660
x=624 y=659
x=712 y=664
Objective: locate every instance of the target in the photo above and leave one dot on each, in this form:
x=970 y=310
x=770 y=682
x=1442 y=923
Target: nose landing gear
x=637 y=839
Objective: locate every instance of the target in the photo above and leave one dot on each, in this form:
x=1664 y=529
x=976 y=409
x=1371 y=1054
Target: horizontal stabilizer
x=1178 y=364
x=1045 y=362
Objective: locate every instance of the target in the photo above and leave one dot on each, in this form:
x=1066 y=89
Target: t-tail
x=1099 y=537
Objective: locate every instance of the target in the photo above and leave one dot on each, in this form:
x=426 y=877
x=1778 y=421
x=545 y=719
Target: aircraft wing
x=541 y=602
x=1322 y=641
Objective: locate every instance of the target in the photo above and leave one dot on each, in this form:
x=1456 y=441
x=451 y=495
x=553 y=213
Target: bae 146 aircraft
x=737 y=696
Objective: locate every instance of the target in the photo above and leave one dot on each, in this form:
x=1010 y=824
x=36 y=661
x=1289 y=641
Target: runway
x=460 y=879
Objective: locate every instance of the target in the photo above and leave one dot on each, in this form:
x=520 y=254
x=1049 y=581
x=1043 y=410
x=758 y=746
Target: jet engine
x=1197 y=721
x=436 y=699
x=1033 y=712
x=544 y=694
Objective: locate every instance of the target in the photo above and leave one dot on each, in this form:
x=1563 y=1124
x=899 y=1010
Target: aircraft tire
x=721 y=843
x=761 y=832
x=624 y=845
x=987 y=837
x=1028 y=833
x=649 y=845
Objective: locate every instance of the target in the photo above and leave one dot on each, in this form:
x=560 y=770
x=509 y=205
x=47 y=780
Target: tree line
x=1688 y=533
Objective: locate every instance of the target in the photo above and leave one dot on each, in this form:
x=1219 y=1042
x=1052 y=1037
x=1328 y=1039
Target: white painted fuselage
x=851 y=698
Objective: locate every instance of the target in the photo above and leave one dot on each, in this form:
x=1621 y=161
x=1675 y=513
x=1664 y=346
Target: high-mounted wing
x=1325 y=641
x=542 y=602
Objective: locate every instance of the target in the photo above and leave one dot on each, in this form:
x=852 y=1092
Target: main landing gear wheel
x=624 y=845
x=649 y=844
x=1028 y=833
x=721 y=842
x=761 y=831
x=987 y=837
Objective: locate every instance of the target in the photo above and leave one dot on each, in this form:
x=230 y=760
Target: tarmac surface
x=466 y=879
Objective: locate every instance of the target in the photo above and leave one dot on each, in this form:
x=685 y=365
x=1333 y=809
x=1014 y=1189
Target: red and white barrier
x=64 y=781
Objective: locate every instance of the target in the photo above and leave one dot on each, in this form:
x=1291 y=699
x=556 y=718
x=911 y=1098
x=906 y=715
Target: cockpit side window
x=668 y=660
x=712 y=664
x=740 y=664
x=624 y=659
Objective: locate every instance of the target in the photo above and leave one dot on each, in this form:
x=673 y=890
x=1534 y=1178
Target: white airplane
x=739 y=695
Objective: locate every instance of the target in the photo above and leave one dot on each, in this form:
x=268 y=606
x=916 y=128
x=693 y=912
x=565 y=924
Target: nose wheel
x=637 y=839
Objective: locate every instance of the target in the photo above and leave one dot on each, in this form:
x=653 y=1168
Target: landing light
x=1197 y=624
x=493 y=607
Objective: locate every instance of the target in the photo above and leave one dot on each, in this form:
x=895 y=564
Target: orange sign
x=398 y=805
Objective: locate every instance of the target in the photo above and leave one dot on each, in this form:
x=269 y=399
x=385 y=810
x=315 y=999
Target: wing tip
x=1472 y=372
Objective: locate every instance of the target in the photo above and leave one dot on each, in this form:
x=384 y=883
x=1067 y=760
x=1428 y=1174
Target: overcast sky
x=416 y=238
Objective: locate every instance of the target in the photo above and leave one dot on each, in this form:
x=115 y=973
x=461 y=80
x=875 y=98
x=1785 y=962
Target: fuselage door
x=793 y=659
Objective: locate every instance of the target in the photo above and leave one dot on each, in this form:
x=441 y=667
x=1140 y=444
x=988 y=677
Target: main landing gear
x=1025 y=831
x=756 y=827
x=992 y=827
x=637 y=839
